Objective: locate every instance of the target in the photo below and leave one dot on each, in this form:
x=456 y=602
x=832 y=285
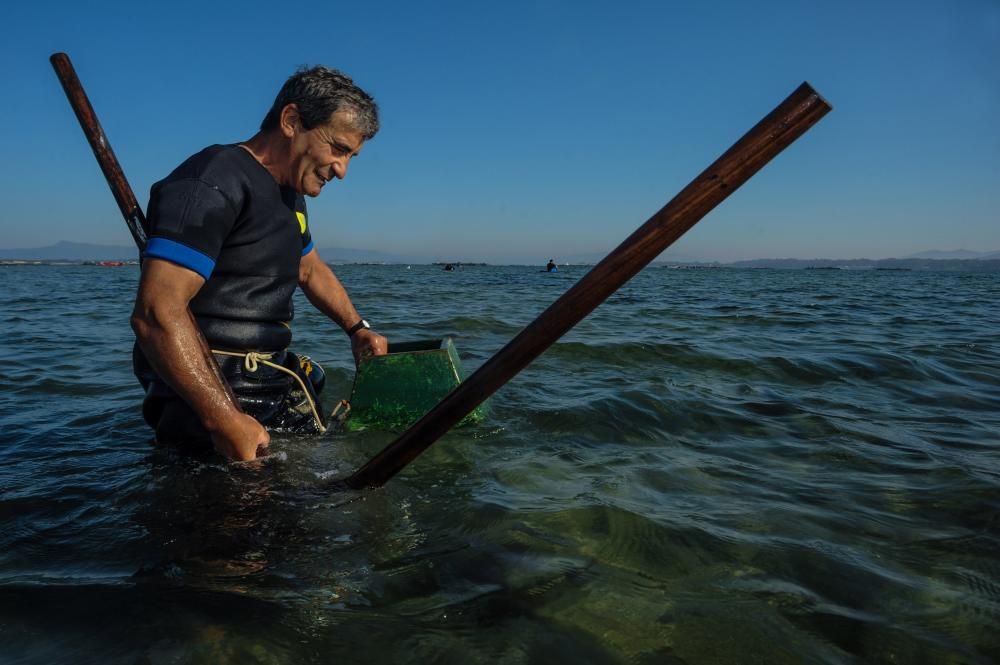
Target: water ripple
x=715 y=466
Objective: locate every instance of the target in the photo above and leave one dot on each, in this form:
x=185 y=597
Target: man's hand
x=241 y=438
x=367 y=342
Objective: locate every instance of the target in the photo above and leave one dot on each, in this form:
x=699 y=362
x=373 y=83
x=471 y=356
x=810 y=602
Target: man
x=228 y=242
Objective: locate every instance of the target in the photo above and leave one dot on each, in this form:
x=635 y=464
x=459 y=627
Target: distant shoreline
x=963 y=260
x=833 y=265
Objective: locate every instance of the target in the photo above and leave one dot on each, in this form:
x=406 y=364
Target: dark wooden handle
x=102 y=149
x=800 y=111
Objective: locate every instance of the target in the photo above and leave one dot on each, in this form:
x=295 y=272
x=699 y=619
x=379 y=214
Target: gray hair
x=318 y=92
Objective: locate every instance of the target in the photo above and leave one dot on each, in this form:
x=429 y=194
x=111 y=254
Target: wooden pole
x=792 y=118
x=131 y=211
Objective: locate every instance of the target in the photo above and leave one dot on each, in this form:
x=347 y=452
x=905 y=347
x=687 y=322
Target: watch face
x=364 y=324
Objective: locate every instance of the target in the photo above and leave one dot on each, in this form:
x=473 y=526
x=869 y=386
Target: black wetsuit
x=222 y=215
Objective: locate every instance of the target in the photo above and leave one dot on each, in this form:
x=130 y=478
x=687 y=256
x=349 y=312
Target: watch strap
x=356 y=327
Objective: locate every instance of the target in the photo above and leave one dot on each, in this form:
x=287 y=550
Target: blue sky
x=519 y=131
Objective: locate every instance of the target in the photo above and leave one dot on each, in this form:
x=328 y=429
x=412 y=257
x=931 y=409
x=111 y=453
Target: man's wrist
x=360 y=325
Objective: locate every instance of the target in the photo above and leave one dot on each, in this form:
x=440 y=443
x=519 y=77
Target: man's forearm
x=328 y=295
x=173 y=344
x=177 y=350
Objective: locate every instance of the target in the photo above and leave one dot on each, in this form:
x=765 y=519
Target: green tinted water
x=715 y=467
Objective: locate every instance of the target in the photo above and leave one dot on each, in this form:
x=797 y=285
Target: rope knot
x=251 y=359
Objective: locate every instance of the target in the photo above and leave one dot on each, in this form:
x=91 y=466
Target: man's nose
x=340 y=169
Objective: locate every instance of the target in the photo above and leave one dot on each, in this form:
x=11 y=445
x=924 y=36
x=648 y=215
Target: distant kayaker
x=551 y=266
x=229 y=241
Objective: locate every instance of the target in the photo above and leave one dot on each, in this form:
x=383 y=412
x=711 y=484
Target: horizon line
x=582 y=258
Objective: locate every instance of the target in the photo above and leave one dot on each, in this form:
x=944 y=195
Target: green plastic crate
x=393 y=391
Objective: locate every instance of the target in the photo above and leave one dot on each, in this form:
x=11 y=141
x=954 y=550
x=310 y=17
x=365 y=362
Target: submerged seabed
x=718 y=466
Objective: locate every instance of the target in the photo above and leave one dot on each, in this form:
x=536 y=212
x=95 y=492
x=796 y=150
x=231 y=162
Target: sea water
x=716 y=466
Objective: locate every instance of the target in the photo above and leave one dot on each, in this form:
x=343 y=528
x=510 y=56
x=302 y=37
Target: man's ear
x=289 y=122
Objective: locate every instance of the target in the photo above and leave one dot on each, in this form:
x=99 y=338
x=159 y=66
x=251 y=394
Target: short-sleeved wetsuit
x=222 y=215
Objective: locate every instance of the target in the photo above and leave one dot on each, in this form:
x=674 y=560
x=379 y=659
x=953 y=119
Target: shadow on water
x=245 y=563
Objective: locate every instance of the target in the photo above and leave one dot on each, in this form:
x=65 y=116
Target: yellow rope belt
x=253 y=359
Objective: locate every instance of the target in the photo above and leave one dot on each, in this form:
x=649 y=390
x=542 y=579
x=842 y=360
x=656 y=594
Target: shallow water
x=717 y=466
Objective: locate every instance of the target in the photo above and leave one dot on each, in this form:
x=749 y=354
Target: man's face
x=320 y=154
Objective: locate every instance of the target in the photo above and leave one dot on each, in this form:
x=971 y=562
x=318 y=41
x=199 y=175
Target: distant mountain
x=594 y=257
x=83 y=251
x=962 y=265
x=72 y=251
x=959 y=259
x=348 y=255
x=954 y=254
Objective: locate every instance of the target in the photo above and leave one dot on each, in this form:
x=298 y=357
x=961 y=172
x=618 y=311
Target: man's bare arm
x=328 y=295
x=175 y=347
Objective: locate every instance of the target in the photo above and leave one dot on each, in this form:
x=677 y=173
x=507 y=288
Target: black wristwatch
x=358 y=326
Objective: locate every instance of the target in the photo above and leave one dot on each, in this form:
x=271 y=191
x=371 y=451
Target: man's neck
x=270 y=149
